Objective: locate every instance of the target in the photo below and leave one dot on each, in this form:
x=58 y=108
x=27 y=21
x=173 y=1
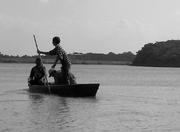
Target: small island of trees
x=160 y=54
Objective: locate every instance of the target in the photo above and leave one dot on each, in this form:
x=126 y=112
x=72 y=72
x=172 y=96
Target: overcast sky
x=98 y=26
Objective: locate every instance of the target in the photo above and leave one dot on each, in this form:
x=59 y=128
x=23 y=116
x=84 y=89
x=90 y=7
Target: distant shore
x=84 y=62
x=125 y=58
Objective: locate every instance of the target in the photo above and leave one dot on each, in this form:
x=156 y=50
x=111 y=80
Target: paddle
x=41 y=62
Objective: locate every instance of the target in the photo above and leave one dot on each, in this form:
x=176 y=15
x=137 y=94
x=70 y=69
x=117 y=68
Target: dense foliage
x=159 y=54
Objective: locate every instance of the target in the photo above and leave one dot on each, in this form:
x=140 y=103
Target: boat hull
x=74 y=90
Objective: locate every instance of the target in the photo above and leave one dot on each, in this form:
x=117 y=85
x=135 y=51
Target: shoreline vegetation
x=111 y=58
x=159 y=54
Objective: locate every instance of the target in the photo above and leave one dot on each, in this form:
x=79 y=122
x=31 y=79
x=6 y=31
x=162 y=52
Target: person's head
x=52 y=72
x=56 y=40
x=38 y=61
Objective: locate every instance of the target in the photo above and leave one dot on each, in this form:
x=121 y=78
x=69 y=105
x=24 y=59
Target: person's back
x=58 y=77
x=61 y=55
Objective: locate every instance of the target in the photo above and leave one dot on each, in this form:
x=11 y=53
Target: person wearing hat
x=37 y=75
x=60 y=56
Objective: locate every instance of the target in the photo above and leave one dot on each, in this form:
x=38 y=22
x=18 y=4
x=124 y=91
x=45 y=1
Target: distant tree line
x=75 y=58
x=126 y=56
x=165 y=53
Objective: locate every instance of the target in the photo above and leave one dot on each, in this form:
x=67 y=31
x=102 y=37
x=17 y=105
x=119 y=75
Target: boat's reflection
x=36 y=98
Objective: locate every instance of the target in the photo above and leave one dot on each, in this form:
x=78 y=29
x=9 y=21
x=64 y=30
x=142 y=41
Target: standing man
x=62 y=56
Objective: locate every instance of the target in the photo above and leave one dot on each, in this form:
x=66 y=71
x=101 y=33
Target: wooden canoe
x=74 y=90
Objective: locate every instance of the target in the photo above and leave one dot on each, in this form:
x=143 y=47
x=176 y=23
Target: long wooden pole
x=41 y=62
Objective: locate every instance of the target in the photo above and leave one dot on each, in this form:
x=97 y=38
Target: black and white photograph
x=89 y=66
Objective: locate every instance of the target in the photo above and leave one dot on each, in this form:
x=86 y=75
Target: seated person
x=58 y=77
x=37 y=75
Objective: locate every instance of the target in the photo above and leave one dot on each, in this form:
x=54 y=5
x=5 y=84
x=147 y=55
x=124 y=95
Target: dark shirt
x=61 y=55
x=58 y=78
x=37 y=72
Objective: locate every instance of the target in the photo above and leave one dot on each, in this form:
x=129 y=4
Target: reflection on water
x=36 y=98
x=47 y=112
x=53 y=113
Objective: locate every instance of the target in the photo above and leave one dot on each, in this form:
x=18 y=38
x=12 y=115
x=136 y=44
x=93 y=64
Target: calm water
x=130 y=99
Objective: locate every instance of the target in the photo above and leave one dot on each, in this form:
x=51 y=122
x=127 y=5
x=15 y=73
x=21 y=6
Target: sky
x=97 y=26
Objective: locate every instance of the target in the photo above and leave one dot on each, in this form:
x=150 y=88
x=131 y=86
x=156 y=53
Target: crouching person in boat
x=38 y=73
x=58 y=77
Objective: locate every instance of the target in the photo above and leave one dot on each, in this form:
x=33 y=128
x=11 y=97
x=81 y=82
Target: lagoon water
x=130 y=99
